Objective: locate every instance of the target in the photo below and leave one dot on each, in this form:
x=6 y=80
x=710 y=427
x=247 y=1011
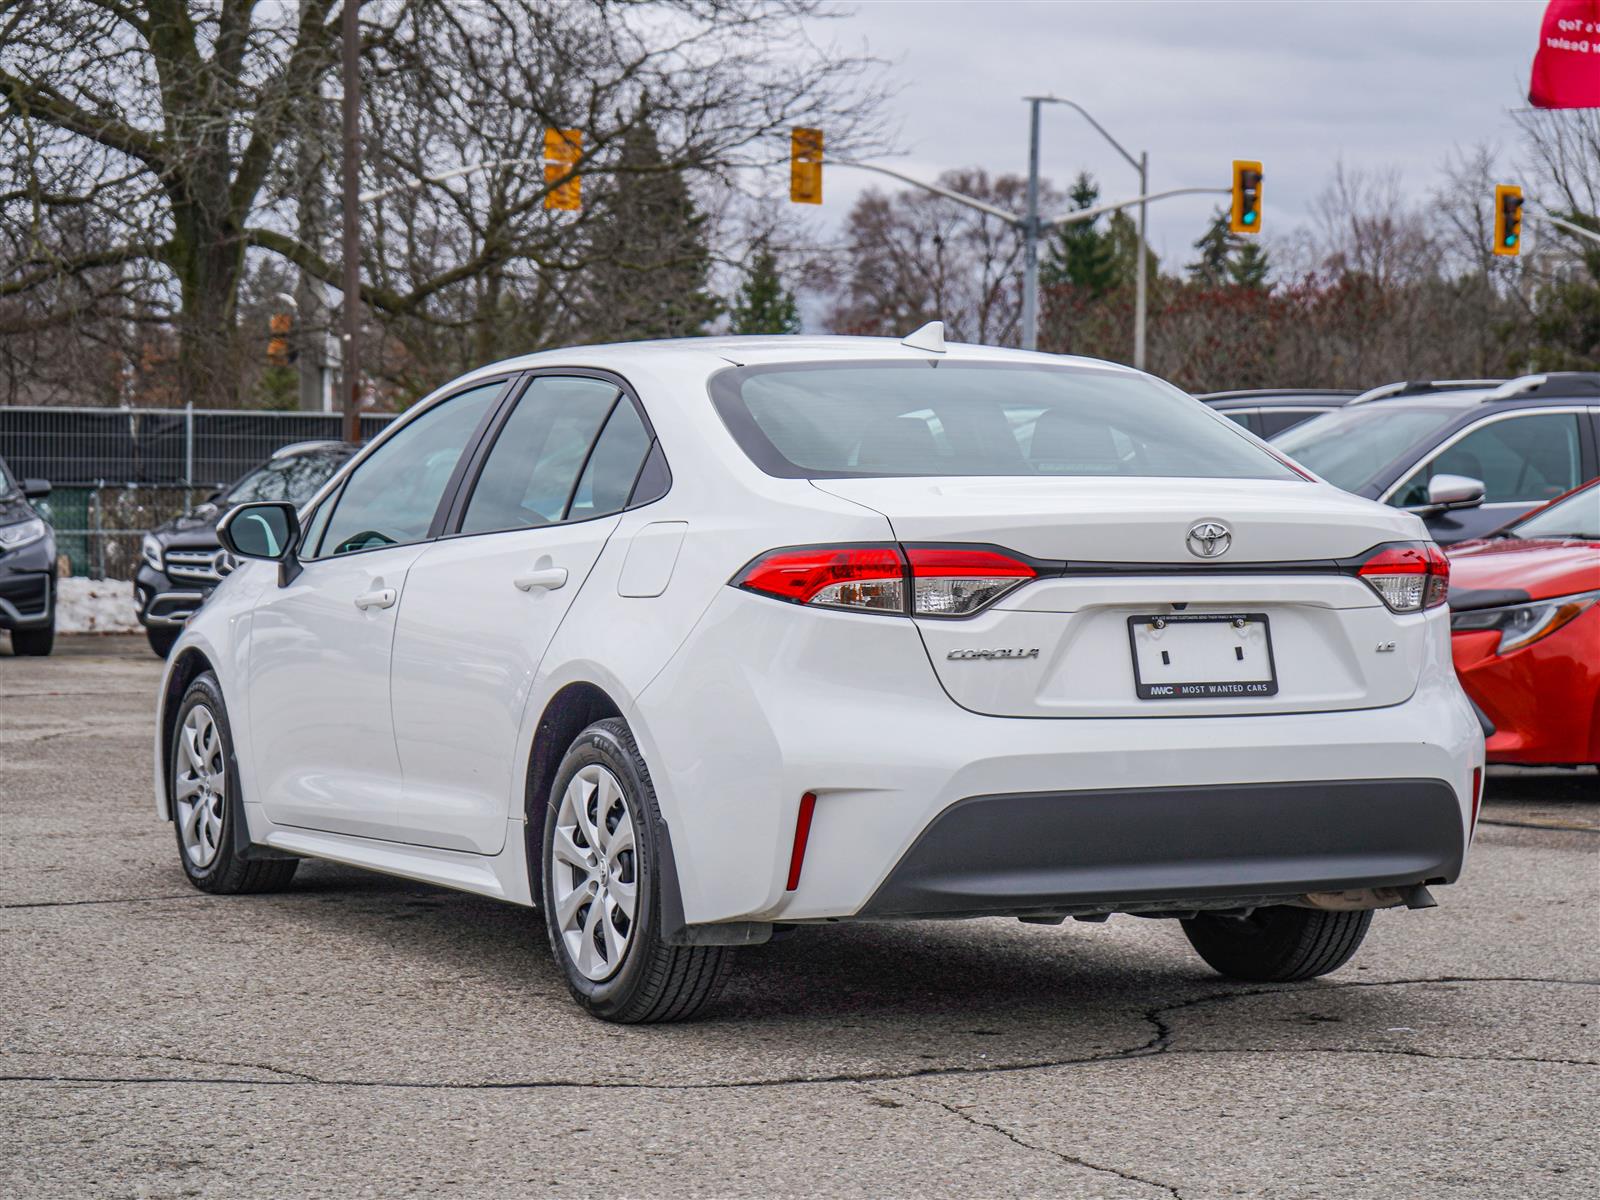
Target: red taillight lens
x=1477 y=798
x=1408 y=576
x=954 y=581
x=860 y=577
x=947 y=581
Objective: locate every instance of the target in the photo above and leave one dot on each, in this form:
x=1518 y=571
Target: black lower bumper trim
x=1127 y=849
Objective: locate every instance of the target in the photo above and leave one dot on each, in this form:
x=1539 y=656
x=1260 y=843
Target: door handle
x=377 y=598
x=545 y=577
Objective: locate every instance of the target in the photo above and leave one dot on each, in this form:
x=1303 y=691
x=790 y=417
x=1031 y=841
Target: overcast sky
x=1298 y=84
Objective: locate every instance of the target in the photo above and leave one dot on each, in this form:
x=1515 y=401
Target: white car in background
x=684 y=641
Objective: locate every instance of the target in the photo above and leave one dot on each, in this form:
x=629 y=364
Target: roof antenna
x=930 y=337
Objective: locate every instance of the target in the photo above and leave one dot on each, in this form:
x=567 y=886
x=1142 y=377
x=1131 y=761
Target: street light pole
x=1030 y=238
x=351 y=169
x=1141 y=165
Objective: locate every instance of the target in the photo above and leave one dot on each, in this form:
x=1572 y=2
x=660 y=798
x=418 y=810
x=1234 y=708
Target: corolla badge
x=991 y=655
x=1209 y=539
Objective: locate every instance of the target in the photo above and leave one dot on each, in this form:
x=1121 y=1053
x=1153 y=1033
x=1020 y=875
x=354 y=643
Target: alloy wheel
x=200 y=786
x=594 y=872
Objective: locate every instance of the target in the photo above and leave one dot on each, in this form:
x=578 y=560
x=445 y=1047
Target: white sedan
x=682 y=642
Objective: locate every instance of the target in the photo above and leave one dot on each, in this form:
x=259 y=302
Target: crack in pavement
x=1159 y=1044
x=1070 y=1159
x=1545 y=825
x=112 y=900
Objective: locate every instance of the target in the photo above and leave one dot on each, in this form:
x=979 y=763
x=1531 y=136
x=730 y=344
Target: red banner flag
x=1566 y=69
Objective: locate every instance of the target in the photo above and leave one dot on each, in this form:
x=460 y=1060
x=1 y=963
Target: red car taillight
x=924 y=581
x=1408 y=576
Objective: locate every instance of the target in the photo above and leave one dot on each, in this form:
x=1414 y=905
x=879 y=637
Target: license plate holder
x=1199 y=656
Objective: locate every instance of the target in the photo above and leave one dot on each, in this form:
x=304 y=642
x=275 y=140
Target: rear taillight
x=869 y=577
x=1408 y=576
x=943 y=581
x=953 y=581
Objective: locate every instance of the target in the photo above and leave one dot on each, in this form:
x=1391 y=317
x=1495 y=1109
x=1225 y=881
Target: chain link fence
x=118 y=472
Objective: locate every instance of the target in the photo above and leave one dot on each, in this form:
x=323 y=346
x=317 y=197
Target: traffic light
x=279 y=325
x=562 y=150
x=1246 y=214
x=1507 y=219
x=805 y=166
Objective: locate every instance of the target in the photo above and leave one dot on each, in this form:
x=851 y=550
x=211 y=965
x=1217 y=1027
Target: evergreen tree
x=647 y=242
x=1082 y=256
x=1227 y=258
x=763 y=304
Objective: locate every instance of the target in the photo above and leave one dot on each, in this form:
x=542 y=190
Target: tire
x=1279 y=944
x=34 y=643
x=162 y=639
x=617 y=966
x=200 y=760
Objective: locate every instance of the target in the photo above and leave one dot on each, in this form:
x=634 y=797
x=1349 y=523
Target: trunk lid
x=1301 y=637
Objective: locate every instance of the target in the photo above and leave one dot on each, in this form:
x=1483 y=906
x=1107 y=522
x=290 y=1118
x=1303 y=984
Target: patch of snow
x=95 y=606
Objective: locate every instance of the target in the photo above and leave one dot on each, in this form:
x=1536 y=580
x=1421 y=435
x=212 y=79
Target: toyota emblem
x=1209 y=539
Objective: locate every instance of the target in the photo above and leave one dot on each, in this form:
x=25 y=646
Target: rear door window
x=1527 y=458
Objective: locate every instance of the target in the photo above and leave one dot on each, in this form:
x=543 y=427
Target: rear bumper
x=1131 y=848
x=753 y=714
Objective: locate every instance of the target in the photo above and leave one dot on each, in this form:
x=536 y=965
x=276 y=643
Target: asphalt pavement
x=362 y=1036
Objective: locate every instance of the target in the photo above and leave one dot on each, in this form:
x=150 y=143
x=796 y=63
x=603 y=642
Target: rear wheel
x=203 y=787
x=602 y=889
x=162 y=639
x=1279 y=944
x=34 y=643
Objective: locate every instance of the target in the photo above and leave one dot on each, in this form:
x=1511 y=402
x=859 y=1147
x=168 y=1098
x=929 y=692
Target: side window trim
x=486 y=439
x=457 y=493
x=1405 y=480
x=577 y=479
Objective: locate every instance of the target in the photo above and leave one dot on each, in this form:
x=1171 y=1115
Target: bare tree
x=914 y=257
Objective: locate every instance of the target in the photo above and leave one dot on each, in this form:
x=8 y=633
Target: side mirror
x=35 y=489
x=268 y=529
x=1455 y=491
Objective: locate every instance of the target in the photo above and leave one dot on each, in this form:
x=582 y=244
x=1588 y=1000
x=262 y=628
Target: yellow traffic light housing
x=805 y=166
x=1507 y=220
x=562 y=150
x=1246 y=214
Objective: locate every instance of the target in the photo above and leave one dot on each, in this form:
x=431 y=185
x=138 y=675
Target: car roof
x=710 y=353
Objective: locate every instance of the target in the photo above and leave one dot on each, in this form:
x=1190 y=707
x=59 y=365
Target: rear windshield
x=832 y=420
x=1352 y=447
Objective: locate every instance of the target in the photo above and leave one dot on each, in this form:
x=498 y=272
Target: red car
x=1525 y=630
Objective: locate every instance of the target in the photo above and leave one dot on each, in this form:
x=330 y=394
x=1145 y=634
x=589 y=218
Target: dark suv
x=182 y=559
x=27 y=566
x=1467 y=456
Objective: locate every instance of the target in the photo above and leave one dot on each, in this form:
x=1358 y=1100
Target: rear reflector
x=1408 y=576
x=802 y=832
x=1477 y=799
x=946 y=581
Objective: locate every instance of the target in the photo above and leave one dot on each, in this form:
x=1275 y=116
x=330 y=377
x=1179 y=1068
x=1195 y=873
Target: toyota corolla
x=683 y=642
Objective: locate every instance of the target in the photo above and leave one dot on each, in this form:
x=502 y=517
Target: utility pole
x=351 y=170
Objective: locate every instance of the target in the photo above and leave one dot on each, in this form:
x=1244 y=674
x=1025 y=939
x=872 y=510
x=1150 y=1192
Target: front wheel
x=602 y=889
x=1278 y=944
x=203 y=787
x=162 y=638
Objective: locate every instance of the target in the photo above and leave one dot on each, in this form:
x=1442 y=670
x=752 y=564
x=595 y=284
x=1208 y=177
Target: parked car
x=1525 y=631
x=27 y=566
x=1465 y=455
x=182 y=561
x=683 y=641
x=1270 y=411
